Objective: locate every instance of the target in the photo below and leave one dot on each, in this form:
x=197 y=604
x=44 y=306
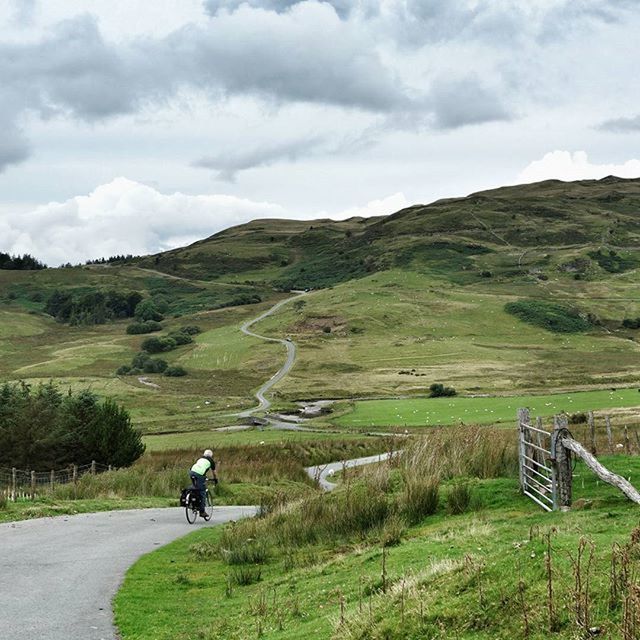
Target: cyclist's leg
x=199 y=483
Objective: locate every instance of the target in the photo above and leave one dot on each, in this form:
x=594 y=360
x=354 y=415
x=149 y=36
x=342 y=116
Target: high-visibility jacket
x=203 y=465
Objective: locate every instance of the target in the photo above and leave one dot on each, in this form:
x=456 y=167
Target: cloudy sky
x=131 y=127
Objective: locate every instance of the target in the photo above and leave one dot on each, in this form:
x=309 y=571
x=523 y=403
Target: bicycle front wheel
x=209 y=504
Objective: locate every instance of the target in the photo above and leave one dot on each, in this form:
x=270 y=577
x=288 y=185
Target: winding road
x=263 y=403
x=323 y=471
x=59 y=575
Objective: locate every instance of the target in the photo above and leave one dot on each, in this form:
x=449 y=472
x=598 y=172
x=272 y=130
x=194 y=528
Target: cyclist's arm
x=214 y=475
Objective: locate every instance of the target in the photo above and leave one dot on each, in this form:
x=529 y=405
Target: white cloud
x=124 y=216
x=382 y=207
x=564 y=165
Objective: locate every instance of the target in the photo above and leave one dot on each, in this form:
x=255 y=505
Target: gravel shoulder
x=59 y=575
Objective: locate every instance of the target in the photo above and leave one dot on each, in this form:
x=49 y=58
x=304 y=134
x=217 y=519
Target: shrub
x=438 y=390
x=191 y=330
x=614 y=262
x=459 y=497
x=393 y=530
x=420 y=497
x=175 y=371
x=123 y=370
x=139 y=360
x=137 y=328
x=158 y=345
x=155 y=365
x=549 y=316
x=631 y=323
x=244 y=576
x=148 y=310
x=180 y=338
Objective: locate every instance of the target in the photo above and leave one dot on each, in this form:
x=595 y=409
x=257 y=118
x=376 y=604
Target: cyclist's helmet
x=208 y=453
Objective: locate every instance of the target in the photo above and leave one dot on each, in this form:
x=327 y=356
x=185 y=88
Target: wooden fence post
x=93 y=467
x=14 y=484
x=74 y=477
x=627 y=442
x=523 y=419
x=562 y=462
x=52 y=479
x=592 y=432
x=607 y=420
x=33 y=485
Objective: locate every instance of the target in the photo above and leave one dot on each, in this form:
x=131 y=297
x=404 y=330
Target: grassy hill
x=398 y=302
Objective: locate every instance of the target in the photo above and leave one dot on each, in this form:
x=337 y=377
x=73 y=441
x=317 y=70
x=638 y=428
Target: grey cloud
x=14 y=147
x=622 y=125
x=457 y=103
x=278 y=57
x=229 y=163
x=342 y=7
x=73 y=69
x=24 y=11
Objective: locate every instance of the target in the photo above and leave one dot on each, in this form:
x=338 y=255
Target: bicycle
x=191 y=508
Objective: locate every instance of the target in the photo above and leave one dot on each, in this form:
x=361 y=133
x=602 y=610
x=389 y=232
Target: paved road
x=58 y=575
x=264 y=404
x=324 y=471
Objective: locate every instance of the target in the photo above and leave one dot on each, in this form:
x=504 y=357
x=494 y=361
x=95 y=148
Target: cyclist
x=198 y=476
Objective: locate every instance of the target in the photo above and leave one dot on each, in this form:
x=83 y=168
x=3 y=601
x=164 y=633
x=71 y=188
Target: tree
x=147 y=310
x=42 y=429
x=438 y=390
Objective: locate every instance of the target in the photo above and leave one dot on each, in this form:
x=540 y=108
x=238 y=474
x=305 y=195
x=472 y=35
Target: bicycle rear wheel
x=190 y=511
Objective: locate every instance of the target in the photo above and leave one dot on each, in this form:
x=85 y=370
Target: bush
x=244 y=576
x=191 y=330
x=140 y=359
x=123 y=370
x=180 y=338
x=148 y=310
x=549 y=316
x=175 y=371
x=631 y=323
x=137 y=328
x=158 y=345
x=459 y=497
x=438 y=390
x=420 y=497
x=155 y=365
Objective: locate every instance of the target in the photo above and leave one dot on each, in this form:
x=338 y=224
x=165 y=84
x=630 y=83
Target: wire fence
x=20 y=484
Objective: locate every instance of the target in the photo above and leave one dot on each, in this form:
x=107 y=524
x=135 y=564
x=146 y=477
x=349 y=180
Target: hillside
x=398 y=303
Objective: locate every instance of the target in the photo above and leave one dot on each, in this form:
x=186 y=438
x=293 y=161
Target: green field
x=441 y=411
x=213 y=439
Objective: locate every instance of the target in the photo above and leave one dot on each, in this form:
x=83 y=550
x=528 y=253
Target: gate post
x=561 y=458
x=523 y=419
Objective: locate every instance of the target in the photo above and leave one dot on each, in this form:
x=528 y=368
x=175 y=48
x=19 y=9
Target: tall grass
x=465 y=451
x=376 y=501
x=164 y=473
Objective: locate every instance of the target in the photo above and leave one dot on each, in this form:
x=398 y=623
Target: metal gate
x=537 y=471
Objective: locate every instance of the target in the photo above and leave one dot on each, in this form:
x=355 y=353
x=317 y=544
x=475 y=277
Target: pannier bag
x=188 y=497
